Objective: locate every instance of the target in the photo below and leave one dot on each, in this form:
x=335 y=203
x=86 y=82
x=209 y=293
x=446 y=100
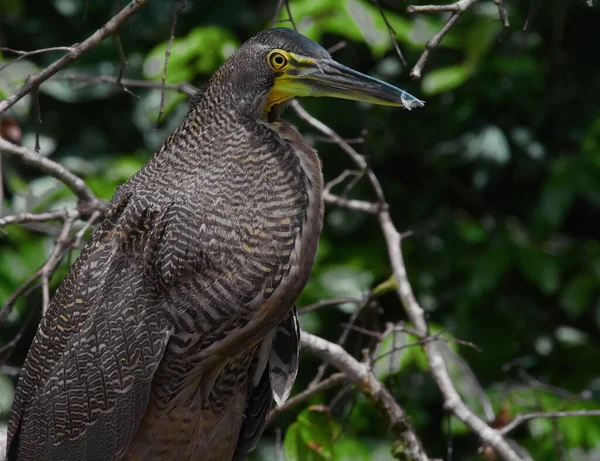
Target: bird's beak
x=326 y=77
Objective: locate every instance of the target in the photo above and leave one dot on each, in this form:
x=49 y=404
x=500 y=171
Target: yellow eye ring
x=277 y=60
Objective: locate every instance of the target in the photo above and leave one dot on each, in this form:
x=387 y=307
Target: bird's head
x=279 y=64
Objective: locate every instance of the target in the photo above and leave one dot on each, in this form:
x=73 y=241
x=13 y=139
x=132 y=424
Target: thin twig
x=45 y=272
x=72 y=181
x=25 y=54
x=340 y=342
x=502 y=13
x=351 y=204
x=33 y=217
x=38 y=117
x=123 y=67
x=176 y=9
x=290 y=19
x=533 y=9
x=6 y=349
x=62 y=243
x=328 y=303
x=522 y=417
x=337 y=47
x=75 y=51
x=392 y=32
x=289 y=12
x=456 y=9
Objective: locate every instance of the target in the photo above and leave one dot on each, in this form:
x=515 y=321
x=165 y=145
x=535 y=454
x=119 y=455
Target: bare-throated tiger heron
x=176 y=325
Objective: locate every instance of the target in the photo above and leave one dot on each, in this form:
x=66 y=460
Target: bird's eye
x=277 y=60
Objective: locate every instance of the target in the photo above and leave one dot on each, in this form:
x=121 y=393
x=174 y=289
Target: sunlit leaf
x=444 y=79
x=200 y=51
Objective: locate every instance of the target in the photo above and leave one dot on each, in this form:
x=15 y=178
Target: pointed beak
x=330 y=78
x=326 y=77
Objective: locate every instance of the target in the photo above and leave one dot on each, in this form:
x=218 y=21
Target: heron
x=176 y=326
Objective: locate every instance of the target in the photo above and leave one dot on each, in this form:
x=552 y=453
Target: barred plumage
x=176 y=324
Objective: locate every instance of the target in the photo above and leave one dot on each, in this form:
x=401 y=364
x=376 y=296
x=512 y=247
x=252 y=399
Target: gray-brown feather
x=151 y=341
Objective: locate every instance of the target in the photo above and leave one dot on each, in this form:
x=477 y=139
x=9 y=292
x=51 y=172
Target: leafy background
x=498 y=176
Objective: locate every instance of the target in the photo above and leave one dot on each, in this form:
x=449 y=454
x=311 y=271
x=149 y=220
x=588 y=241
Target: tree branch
x=368 y=384
x=456 y=9
x=393 y=238
x=75 y=51
x=72 y=181
x=521 y=418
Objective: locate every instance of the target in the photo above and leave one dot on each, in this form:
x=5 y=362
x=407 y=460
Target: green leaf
x=489 y=268
x=445 y=79
x=558 y=192
x=578 y=294
x=356 y=20
x=389 y=286
x=202 y=50
x=540 y=268
x=295 y=448
x=472 y=231
x=317 y=430
x=479 y=39
x=352 y=449
x=311 y=436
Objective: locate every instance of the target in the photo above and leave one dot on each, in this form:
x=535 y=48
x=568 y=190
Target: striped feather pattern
x=149 y=346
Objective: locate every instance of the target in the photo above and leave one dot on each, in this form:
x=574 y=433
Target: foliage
x=498 y=177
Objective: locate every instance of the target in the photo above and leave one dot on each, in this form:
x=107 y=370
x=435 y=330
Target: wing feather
x=277 y=379
x=86 y=382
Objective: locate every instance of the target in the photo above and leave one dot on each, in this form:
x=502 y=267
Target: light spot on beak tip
x=410 y=102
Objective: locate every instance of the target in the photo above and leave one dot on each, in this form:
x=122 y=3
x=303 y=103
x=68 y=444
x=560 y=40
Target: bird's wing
x=255 y=417
x=86 y=382
x=285 y=356
x=276 y=382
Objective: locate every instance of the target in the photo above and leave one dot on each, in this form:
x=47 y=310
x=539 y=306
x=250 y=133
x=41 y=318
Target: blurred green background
x=498 y=177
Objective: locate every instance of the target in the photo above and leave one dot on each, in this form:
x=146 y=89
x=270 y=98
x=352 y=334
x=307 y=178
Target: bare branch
x=317 y=124
x=351 y=204
x=337 y=47
x=367 y=383
x=63 y=244
x=7 y=348
x=502 y=13
x=123 y=67
x=280 y=3
x=74 y=182
x=327 y=303
x=303 y=396
x=340 y=342
x=452 y=400
x=393 y=238
x=38 y=117
x=391 y=31
x=75 y=51
x=456 y=9
x=521 y=418
x=33 y=217
x=533 y=9
x=176 y=9
x=26 y=54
